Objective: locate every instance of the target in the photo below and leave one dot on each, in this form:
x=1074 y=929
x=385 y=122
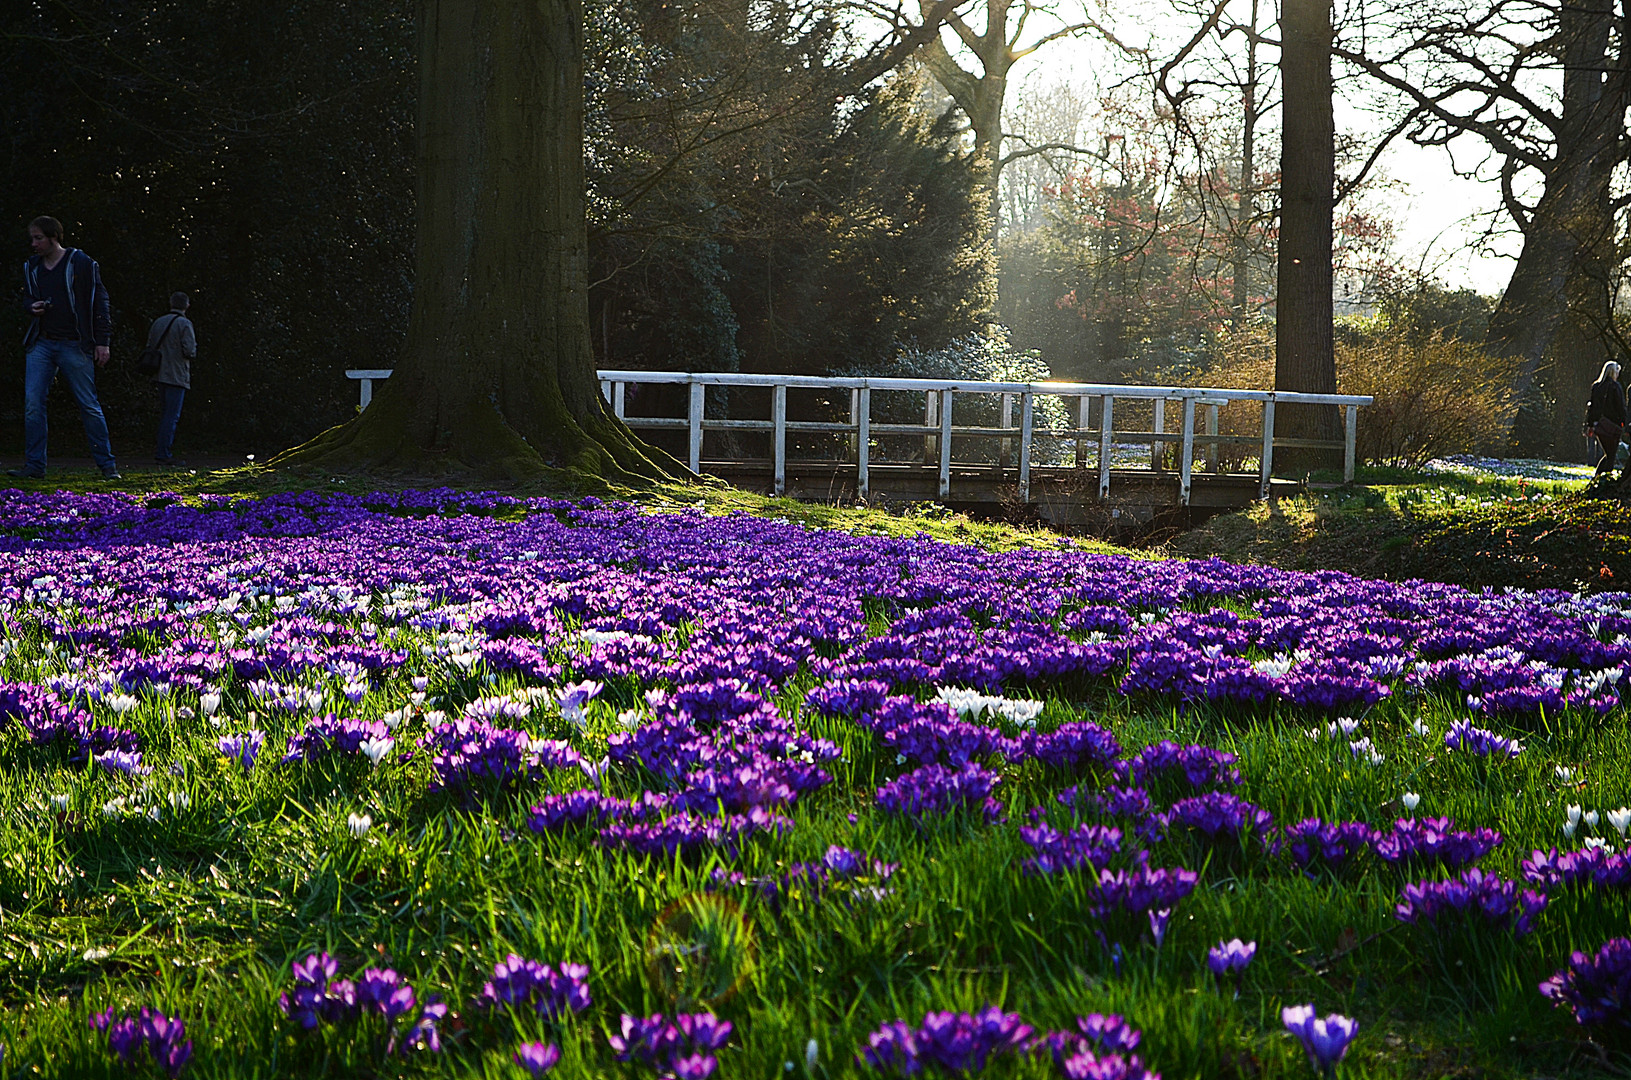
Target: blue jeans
x=45 y=359
x=170 y=397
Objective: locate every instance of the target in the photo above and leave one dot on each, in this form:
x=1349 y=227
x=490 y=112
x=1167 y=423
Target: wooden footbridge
x=1070 y=450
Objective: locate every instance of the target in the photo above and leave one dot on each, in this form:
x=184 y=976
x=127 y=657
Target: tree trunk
x=497 y=373
x=1305 y=353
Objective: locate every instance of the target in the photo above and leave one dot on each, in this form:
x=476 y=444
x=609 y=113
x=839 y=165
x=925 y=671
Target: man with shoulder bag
x=171 y=348
x=69 y=328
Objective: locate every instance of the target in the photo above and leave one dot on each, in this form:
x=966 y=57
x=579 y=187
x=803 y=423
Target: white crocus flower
x=1410 y=800
x=180 y=800
x=1621 y=820
x=1564 y=774
x=1591 y=819
x=376 y=749
x=122 y=703
x=1591 y=842
x=59 y=803
x=1420 y=728
x=358 y=824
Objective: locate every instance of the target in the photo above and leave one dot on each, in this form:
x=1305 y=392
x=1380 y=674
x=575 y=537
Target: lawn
x=459 y=784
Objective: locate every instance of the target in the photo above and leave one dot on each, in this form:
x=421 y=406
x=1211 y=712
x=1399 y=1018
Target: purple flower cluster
x=813 y=880
x=682 y=1048
x=1200 y=767
x=1475 y=893
x=242 y=749
x=1595 y=987
x=328 y=734
x=1101 y=1048
x=1216 y=815
x=1589 y=866
x=165 y=1037
x=320 y=998
x=1334 y=844
x=1089 y=846
x=1141 y=889
x=954 y=1041
x=468 y=754
x=1434 y=841
x=1324 y=1039
x=1463 y=736
x=936 y=791
x=551 y=992
x=688 y=835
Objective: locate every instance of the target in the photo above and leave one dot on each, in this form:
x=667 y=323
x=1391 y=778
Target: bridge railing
x=939 y=432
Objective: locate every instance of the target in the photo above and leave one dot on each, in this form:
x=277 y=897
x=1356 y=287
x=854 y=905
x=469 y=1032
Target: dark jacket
x=93 y=313
x=179 y=348
x=1607 y=401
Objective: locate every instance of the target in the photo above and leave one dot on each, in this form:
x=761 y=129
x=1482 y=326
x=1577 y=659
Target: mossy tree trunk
x=496 y=375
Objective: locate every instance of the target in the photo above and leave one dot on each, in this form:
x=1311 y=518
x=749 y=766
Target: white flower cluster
x=971 y=704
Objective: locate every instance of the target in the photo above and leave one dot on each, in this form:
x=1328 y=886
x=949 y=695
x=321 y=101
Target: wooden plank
x=619 y=399
x=945 y=443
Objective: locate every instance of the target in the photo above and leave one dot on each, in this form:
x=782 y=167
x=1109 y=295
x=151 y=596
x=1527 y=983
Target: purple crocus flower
x=1158 y=924
x=537 y=1058
x=242 y=748
x=1595 y=987
x=1326 y=1040
x=1230 y=957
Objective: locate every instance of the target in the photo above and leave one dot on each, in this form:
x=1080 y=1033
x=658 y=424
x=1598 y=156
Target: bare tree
x=1544 y=85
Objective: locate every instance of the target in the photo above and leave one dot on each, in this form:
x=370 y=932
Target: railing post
x=694 y=455
x=863 y=438
x=854 y=399
x=1158 y=446
x=1005 y=449
x=1027 y=418
x=1350 y=440
x=1107 y=409
x=1212 y=463
x=945 y=443
x=778 y=420
x=1084 y=413
x=1264 y=481
x=1186 y=456
x=606 y=390
x=619 y=399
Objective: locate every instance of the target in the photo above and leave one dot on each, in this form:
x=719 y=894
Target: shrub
x=1434 y=396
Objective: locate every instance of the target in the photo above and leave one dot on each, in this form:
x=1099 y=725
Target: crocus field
x=437 y=783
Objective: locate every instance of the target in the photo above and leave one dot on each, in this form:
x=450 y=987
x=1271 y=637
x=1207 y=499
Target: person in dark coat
x=173 y=336
x=1605 y=417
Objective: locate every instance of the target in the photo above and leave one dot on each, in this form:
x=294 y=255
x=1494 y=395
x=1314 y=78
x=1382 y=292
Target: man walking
x=172 y=336
x=70 y=326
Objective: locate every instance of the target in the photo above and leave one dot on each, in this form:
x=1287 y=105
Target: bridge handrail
x=969 y=386
x=937 y=426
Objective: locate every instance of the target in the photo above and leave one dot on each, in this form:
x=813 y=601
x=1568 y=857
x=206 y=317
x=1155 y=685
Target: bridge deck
x=1058 y=491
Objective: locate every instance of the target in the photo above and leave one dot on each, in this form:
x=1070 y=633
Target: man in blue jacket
x=70 y=326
